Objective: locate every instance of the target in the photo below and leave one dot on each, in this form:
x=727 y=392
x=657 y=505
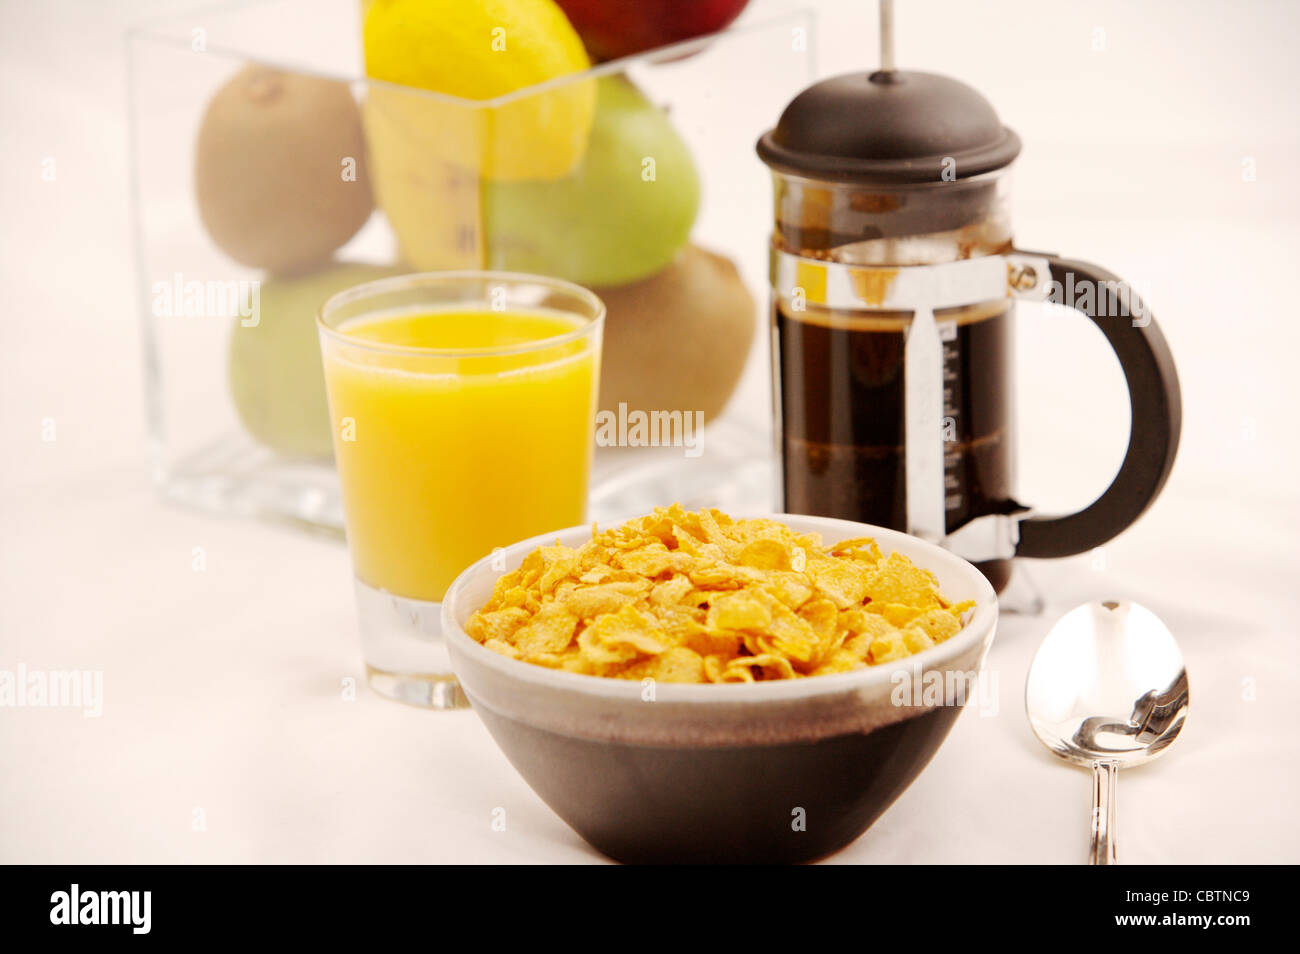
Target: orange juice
x=445 y=454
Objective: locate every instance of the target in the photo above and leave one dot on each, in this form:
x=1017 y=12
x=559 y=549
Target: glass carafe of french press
x=894 y=280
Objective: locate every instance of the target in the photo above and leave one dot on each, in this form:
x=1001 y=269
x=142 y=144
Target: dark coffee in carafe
x=842 y=410
x=839 y=371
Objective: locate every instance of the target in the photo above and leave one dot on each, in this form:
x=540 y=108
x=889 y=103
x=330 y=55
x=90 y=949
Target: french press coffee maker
x=894 y=280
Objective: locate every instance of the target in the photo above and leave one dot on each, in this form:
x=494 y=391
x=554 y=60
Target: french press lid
x=889 y=127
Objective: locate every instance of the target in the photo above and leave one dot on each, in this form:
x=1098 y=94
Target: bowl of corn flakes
x=696 y=687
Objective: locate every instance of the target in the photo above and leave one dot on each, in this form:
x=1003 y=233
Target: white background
x=223 y=688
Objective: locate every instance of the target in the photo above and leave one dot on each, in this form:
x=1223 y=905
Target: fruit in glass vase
x=275 y=375
x=432 y=204
x=612 y=29
x=621 y=216
x=679 y=339
x=280 y=172
x=467 y=52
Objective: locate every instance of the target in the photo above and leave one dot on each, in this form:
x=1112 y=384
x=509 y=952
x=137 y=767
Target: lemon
x=476 y=50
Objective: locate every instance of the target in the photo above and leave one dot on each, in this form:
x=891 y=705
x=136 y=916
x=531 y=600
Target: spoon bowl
x=1107 y=689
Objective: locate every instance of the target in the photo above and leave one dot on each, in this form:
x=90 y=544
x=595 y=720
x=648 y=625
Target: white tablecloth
x=227 y=733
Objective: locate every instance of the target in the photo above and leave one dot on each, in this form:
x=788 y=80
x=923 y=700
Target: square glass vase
x=269 y=172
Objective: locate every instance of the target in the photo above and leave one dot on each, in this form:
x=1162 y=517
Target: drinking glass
x=462 y=405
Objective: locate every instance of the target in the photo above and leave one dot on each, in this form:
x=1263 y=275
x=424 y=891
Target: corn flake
x=681 y=596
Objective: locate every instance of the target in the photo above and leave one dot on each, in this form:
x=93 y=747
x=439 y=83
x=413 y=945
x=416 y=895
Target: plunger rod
x=886 y=36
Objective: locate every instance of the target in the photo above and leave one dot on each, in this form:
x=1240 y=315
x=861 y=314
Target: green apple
x=276 y=380
x=622 y=215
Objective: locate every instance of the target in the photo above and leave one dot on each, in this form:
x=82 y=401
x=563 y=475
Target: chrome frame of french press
x=922 y=290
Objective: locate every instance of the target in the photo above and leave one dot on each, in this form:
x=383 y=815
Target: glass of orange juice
x=463 y=407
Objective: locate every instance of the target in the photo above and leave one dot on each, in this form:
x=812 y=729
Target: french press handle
x=1155 y=400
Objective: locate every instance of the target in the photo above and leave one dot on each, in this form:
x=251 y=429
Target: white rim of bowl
x=968 y=637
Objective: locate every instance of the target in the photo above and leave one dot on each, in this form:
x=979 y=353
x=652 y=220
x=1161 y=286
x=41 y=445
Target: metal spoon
x=1107 y=689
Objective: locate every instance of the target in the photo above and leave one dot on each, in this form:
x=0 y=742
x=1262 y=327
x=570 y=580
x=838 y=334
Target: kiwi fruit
x=270 y=173
x=677 y=340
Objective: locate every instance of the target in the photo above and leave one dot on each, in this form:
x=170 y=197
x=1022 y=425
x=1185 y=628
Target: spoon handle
x=1104 y=776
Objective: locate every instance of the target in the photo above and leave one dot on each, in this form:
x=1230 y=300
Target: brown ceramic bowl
x=753 y=772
